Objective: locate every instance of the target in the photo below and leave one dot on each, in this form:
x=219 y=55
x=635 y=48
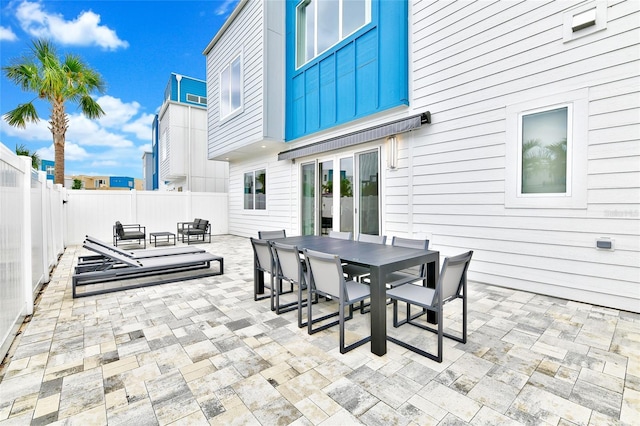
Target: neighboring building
x=179 y=141
x=507 y=128
x=107 y=182
x=149 y=171
x=48 y=166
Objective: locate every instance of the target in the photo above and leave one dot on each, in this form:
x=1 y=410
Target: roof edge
x=224 y=26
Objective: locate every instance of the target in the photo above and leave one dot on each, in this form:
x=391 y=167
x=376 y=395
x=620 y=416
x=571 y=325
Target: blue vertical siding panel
x=297 y=114
x=174 y=88
x=367 y=73
x=345 y=83
x=360 y=76
x=312 y=99
x=328 y=92
x=193 y=87
x=393 y=59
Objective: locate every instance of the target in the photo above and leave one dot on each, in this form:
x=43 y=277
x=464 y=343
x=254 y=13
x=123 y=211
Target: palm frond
x=90 y=107
x=22 y=114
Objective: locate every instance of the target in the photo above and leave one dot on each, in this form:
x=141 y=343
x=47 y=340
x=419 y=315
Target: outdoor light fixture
x=392 y=152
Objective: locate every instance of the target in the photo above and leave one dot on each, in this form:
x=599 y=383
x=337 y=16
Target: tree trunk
x=58 y=129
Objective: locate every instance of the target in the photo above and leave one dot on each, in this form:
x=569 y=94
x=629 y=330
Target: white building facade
x=181 y=132
x=507 y=128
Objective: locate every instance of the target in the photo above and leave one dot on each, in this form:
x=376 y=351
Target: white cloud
x=88 y=132
x=141 y=127
x=118 y=115
x=72 y=152
x=32 y=132
x=145 y=147
x=225 y=7
x=6 y=34
x=116 y=111
x=85 y=30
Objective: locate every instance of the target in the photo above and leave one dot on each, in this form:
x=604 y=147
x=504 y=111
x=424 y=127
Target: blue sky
x=134 y=45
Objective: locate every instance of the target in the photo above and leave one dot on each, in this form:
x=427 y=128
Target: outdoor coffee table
x=153 y=238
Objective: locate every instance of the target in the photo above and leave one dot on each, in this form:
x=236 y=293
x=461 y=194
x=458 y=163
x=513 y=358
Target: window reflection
x=544 y=152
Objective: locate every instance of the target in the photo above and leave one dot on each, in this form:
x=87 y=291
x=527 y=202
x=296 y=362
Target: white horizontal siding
x=281 y=212
x=244 y=36
x=469 y=62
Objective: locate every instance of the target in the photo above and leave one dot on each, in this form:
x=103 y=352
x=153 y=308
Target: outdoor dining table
x=381 y=260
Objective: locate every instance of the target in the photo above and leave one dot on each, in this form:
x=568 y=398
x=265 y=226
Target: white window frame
x=196 y=99
x=225 y=115
x=253 y=176
x=521 y=115
x=575 y=196
x=300 y=62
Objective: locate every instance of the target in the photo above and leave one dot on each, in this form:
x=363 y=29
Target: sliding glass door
x=308 y=198
x=368 y=206
x=348 y=201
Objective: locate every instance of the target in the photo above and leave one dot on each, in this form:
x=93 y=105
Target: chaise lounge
x=167 y=251
x=117 y=272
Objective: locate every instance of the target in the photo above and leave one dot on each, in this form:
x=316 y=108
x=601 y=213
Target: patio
x=204 y=352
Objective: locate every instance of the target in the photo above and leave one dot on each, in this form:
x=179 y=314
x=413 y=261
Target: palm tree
x=56 y=81
x=35 y=158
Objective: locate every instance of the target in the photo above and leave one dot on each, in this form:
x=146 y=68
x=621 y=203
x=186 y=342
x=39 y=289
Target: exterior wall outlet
x=605 y=244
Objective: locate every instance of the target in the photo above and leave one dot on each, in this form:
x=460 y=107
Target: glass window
x=546 y=151
x=231 y=88
x=255 y=190
x=322 y=24
x=544 y=143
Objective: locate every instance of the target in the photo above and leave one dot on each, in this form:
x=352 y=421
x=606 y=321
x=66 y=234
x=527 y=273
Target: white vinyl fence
x=31 y=238
x=95 y=213
x=39 y=219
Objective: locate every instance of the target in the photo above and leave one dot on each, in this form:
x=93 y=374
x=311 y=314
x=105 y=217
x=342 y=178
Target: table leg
x=378 y=312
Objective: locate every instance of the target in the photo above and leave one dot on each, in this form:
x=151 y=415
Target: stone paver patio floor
x=204 y=352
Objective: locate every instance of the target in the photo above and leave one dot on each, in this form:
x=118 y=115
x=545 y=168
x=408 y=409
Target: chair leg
x=344 y=349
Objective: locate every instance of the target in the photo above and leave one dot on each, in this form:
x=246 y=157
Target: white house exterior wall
x=471 y=64
x=468 y=68
x=186 y=165
x=244 y=37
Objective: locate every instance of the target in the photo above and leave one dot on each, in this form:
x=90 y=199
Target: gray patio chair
x=341 y=235
x=129 y=233
x=192 y=232
x=451 y=285
x=326 y=278
x=409 y=275
x=357 y=272
x=271 y=235
x=289 y=267
x=265 y=263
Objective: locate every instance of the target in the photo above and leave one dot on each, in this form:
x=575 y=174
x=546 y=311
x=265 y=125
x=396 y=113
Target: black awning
x=366 y=135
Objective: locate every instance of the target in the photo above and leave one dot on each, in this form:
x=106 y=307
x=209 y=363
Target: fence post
x=45 y=214
x=26 y=236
